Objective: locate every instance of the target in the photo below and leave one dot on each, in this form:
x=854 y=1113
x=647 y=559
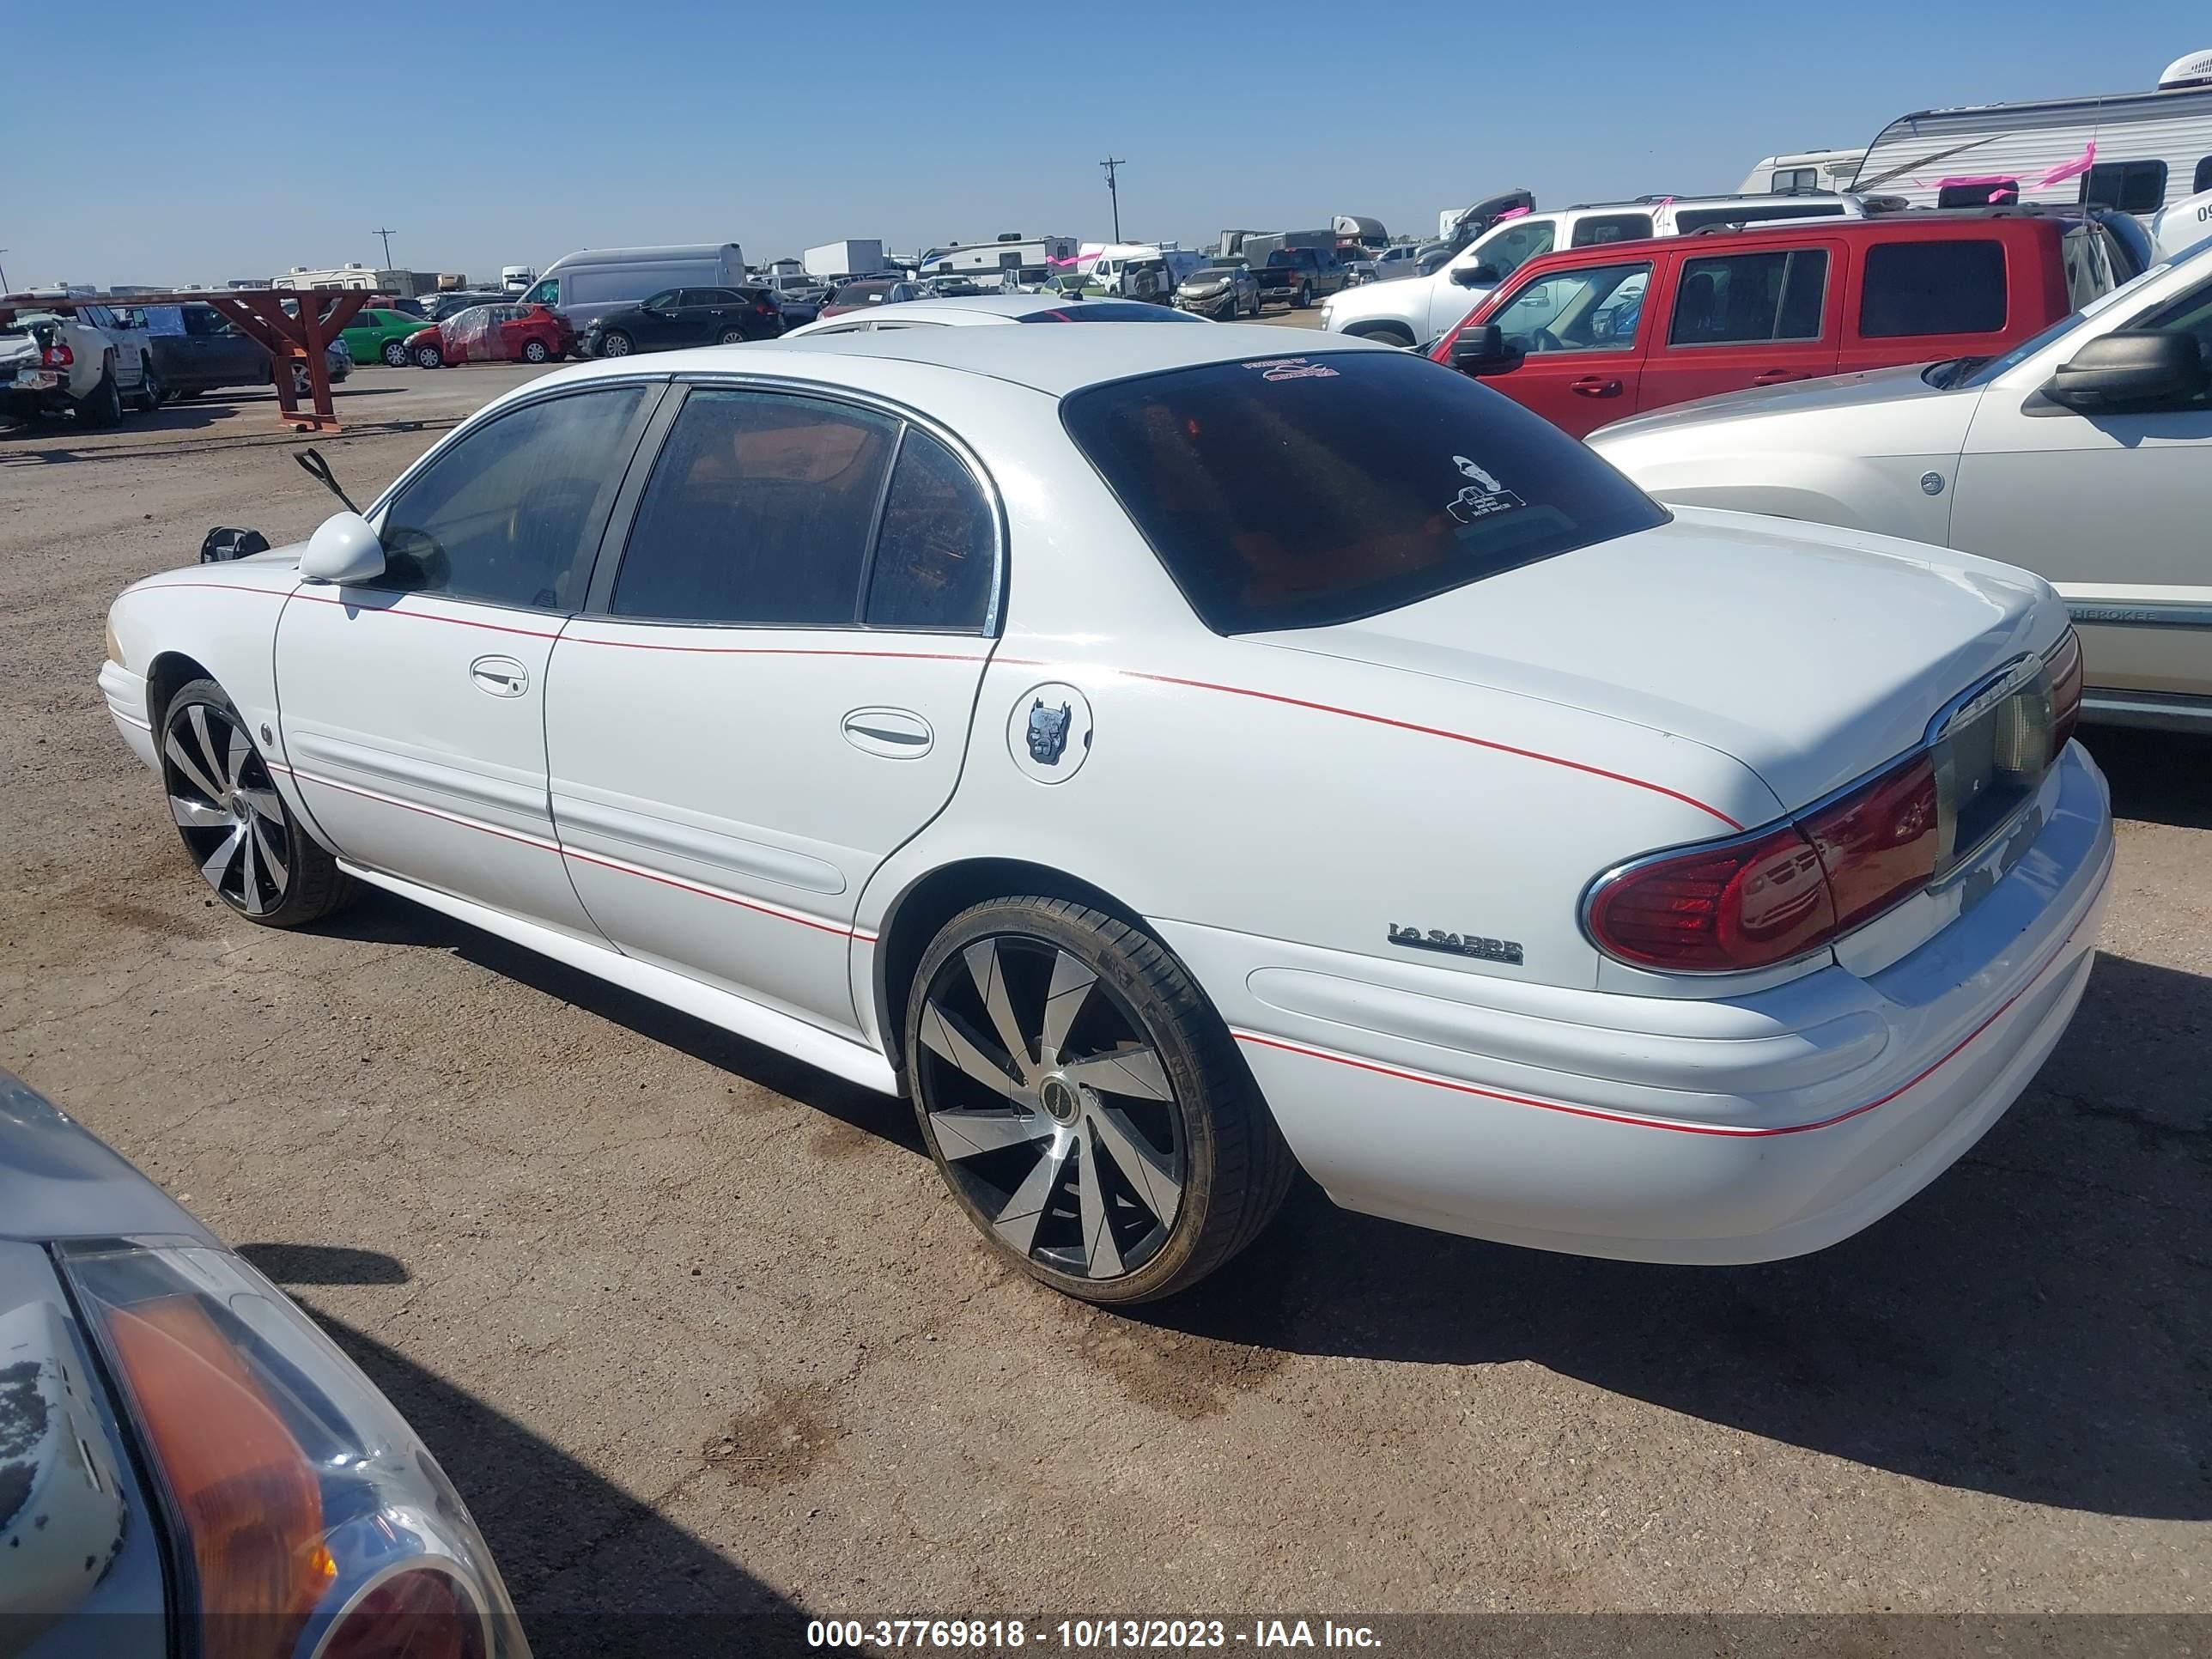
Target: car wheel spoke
x=198 y=815
x=1145 y=1169
x=241 y=750
x=1101 y=1257
x=1016 y=1220
x=1123 y=1072
x=966 y=1135
x=217 y=868
x=945 y=1038
x=190 y=767
x=270 y=864
x=266 y=803
x=989 y=972
x=1072 y=981
x=249 y=874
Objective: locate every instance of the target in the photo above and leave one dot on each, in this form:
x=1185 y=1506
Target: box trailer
x=853 y=257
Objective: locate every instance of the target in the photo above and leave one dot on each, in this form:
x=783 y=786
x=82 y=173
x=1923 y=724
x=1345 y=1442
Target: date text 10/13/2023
x=1083 y=1635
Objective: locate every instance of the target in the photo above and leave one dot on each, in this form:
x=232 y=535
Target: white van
x=585 y=287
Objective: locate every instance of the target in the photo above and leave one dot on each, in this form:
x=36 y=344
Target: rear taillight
x=2064 y=662
x=1764 y=898
x=1879 y=843
x=1717 y=909
x=1778 y=893
x=58 y=355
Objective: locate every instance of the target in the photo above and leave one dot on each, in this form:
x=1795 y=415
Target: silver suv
x=86 y=360
x=2081 y=453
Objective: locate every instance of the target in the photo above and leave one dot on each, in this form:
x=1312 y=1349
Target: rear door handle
x=893 y=733
x=502 y=677
x=1591 y=386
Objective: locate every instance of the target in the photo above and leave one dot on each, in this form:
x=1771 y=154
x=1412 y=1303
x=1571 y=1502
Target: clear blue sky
x=242 y=141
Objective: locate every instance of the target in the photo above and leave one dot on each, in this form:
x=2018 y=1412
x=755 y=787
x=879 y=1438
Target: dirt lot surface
x=695 y=1327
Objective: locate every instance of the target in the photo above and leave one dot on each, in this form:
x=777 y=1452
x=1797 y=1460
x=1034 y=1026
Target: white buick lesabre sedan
x=1175 y=755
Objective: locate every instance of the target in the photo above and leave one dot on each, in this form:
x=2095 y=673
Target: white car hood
x=1812 y=655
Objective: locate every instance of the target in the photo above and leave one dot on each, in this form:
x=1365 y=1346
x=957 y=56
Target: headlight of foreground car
x=319 y=1525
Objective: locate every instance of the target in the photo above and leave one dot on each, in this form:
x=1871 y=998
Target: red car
x=493 y=334
x=1593 y=335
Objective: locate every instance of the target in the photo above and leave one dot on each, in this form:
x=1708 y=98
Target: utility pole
x=1110 y=163
x=3 y=274
x=387 y=247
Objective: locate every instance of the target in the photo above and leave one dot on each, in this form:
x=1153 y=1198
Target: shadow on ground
x=2037 y=1325
x=2160 y=777
x=593 y=1570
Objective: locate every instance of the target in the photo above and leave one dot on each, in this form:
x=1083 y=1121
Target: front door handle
x=1591 y=386
x=500 y=677
x=1774 y=376
x=893 y=733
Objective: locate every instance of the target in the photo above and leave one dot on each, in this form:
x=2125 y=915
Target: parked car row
x=88 y=362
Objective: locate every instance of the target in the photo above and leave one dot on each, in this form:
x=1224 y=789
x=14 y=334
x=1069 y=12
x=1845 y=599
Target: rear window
x=1932 y=287
x=1108 y=311
x=1302 y=492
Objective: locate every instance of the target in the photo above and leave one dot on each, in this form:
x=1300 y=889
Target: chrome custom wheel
x=230 y=815
x=235 y=825
x=1084 y=1103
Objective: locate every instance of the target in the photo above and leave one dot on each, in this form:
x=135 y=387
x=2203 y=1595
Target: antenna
x=387 y=247
x=1113 y=190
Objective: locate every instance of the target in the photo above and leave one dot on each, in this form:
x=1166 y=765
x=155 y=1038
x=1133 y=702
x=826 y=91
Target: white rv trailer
x=2151 y=150
x=1795 y=171
x=1034 y=257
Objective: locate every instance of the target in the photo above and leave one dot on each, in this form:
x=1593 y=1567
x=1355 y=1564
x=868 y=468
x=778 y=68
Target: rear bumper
x=1659 y=1129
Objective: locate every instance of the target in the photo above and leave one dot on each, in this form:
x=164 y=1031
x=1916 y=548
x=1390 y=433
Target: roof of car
x=1054 y=361
x=1883 y=227
x=958 y=308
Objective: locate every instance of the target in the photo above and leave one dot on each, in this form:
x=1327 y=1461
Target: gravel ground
x=695 y=1327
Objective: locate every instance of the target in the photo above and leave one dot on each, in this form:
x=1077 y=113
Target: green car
x=381 y=337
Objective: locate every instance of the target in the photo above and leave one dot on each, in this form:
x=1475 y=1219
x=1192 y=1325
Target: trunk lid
x=1811 y=654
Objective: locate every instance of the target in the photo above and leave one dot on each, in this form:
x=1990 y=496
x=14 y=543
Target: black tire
x=394 y=353
x=428 y=356
x=1394 y=334
x=103 y=404
x=731 y=337
x=186 y=394
x=534 y=351
x=1209 y=1141
x=616 y=344
x=152 y=394
x=222 y=800
x=1305 y=295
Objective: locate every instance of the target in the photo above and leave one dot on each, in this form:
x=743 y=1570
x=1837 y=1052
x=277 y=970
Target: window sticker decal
x=1291 y=368
x=1482 y=497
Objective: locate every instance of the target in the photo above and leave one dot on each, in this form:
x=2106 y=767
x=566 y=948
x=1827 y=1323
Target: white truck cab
x=1421 y=308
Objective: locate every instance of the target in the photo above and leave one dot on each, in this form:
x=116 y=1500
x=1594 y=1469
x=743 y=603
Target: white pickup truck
x=85 y=361
x=1419 y=308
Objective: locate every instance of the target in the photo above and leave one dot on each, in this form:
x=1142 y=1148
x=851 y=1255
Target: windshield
x=2020 y=354
x=1305 y=492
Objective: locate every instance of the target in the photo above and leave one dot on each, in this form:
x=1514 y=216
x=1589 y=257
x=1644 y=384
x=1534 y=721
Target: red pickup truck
x=1596 y=334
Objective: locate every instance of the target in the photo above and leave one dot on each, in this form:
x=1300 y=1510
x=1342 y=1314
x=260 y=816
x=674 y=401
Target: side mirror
x=343 y=550
x=2130 y=368
x=1475 y=276
x=1483 y=351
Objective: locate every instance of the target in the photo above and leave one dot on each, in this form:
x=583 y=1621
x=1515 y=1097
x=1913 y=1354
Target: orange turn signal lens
x=250 y=1499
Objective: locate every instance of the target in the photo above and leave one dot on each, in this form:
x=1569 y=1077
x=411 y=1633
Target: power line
x=387 y=247
x=1113 y=190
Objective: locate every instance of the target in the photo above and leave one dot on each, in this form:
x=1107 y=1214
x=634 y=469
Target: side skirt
x=854 y=1062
